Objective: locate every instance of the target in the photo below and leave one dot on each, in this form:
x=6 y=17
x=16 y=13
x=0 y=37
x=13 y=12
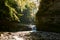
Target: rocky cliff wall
x=48 y=16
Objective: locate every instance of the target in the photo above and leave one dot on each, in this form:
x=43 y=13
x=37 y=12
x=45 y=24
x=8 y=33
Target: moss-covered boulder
x=48 y=16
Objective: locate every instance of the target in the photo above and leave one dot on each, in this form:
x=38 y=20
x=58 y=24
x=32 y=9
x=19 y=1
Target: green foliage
x=14 y=8
x=13 y=11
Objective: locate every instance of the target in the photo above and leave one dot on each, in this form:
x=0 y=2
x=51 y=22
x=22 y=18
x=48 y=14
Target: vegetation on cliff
x=13 y=12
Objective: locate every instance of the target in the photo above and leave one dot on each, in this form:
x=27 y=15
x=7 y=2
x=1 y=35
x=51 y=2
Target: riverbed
x=29 y=35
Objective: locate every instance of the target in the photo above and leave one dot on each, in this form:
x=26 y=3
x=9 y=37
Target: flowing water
x=33 y=27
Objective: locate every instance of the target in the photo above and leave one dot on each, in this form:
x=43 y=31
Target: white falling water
x=33 y=28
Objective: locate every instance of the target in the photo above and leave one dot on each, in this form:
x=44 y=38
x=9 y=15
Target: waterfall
x=33 y=28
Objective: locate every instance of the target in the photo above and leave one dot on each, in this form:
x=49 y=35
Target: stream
x=31 y=34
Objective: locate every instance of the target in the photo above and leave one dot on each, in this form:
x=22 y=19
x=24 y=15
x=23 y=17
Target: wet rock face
x=48 y=16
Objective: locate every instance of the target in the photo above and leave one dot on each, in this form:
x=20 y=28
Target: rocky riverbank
x=29 y=35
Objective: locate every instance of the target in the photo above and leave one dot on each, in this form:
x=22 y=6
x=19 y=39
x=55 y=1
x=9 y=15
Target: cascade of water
x=33 y=28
